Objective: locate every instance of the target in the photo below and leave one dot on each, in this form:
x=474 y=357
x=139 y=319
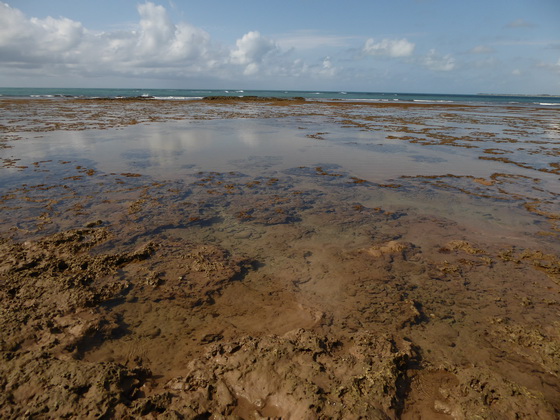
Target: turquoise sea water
x=186 y=94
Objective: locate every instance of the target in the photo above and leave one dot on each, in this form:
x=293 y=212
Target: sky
x=418 y=46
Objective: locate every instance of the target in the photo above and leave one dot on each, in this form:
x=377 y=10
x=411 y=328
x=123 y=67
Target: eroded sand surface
x=280 y=290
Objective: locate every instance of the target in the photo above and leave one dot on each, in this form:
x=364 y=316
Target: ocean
x=190 y=94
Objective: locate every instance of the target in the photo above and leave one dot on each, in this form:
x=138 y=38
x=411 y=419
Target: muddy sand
x=278 y=259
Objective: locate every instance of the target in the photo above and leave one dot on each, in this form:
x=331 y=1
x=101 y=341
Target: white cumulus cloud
x=389 y=47
x=159 y=48
x=437 y=62
x=251 y=50
x=159 y=38
x=328 y=67
x=25 y=40
x=156 y=42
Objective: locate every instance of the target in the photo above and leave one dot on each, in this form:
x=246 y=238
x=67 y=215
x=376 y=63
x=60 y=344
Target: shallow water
x=173 y=150
x=338 y=221
x=349 y=153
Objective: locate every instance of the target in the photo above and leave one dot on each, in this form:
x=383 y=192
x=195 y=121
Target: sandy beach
x=258 y=258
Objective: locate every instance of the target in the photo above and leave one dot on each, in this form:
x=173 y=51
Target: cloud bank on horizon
x=160 y=51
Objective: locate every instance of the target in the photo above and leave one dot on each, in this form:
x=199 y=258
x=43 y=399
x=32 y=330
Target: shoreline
x=265 y=287
x=190 y=94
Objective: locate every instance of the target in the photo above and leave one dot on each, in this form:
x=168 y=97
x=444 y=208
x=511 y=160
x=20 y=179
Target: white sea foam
x=182 y=98
x=365 y=100
x=548 y=103
x=427 y=100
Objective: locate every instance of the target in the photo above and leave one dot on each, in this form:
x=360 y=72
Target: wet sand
x=280 y=259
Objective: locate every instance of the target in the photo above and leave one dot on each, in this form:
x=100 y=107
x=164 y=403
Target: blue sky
x=440 y=46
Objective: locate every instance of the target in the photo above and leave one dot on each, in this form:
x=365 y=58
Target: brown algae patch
x=174 y=296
